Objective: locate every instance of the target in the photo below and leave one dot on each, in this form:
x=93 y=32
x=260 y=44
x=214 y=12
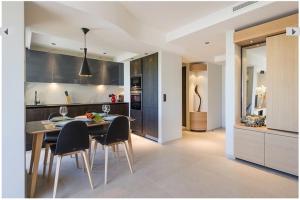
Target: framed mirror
x=254 y=72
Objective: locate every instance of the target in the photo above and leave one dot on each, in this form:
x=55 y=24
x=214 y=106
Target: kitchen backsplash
x=54 y=93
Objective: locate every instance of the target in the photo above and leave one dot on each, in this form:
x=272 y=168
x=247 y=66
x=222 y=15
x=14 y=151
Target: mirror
x=254 y=80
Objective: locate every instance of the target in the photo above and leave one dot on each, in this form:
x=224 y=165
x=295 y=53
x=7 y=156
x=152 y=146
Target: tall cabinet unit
x=282 y=82
x=137 y=124
x=146 y=123
x=150 y=96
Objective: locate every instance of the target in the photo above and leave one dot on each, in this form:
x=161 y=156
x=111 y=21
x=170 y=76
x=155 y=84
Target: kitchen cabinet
x=136 y=67
x=150 y=96
x=48 y=67
x=39 y=66
x=146 y=123
x=137 y=124
x=66 y=68
x=282 y=83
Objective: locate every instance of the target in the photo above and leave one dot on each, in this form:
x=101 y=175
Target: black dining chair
x=117 y=133
x=72 y=139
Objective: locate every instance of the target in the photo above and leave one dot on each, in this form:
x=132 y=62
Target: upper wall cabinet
x=282 y=82
x=49 y=67
x=39 y=66
x=136 y=67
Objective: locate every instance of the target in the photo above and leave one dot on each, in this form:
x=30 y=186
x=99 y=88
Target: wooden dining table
x=37 y=129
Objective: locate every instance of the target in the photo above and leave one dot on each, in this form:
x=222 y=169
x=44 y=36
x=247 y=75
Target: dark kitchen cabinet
x=136 y=67
x=137 y=124
x=110 y=74
x=66 y=69
x=150 y=96
x=39 y=66
x=58 y=68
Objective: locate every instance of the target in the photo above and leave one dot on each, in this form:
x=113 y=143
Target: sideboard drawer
x=281 y=153
x=249 y=145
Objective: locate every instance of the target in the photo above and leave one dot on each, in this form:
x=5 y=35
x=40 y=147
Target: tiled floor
x=194 y=166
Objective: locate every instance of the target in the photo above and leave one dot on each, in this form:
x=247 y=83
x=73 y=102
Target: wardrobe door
x=282 y=83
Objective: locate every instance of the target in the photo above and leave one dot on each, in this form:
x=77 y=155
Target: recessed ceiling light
x=206 y=43
x=52 y=43
x=251 y=41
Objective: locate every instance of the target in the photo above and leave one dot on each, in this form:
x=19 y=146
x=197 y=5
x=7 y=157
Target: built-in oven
x=136 y=83
x=136 y=100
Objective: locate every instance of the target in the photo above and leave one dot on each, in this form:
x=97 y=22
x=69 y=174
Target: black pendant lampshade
x=85 y=70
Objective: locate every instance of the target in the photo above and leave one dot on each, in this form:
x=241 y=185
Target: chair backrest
x=72 y=137
x=118 y=130
x=52 y=115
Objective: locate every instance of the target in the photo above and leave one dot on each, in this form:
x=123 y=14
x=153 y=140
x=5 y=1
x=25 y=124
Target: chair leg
x=118 y=151
x=106 y=162
x=83 y=165
x=93 y=156
x=90 y=147
x=126 y=152
x=88 y=168
x=50 y=165
x=77 y=161
x=56 y=175
x=47 y=147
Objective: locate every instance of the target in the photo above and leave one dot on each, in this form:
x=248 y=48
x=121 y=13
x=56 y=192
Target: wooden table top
x=44 y=126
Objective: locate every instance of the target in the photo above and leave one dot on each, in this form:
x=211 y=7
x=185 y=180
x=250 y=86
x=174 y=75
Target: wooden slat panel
x=282 y=83
x=260 y=32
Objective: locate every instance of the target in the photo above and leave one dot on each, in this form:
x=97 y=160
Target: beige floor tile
x=194 y=166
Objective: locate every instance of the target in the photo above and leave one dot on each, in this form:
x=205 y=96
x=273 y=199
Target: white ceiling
x=129 y=29
x=167 y=16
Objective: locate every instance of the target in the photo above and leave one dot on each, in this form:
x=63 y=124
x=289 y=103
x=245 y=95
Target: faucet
x=36 y=101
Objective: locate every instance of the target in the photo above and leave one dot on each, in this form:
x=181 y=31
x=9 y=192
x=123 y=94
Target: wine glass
x=63 y=111
x=106 y=109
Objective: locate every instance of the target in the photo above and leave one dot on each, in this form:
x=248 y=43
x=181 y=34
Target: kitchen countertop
x=73 y=104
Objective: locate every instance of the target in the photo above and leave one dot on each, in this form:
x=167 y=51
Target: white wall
x=214 y=112
x=223 y=96
x=54 y=93
x=13 y=108
x=232 y=90
x=169 y=83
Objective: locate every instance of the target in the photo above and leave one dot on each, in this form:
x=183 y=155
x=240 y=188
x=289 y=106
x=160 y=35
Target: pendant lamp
x=85 y=70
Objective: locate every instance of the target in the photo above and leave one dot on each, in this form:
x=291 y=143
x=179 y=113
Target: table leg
x=38 y=141
x=32 y=154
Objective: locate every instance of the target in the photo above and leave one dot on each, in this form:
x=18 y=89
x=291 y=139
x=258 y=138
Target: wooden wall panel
x=260 y=32
x=282 y=83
